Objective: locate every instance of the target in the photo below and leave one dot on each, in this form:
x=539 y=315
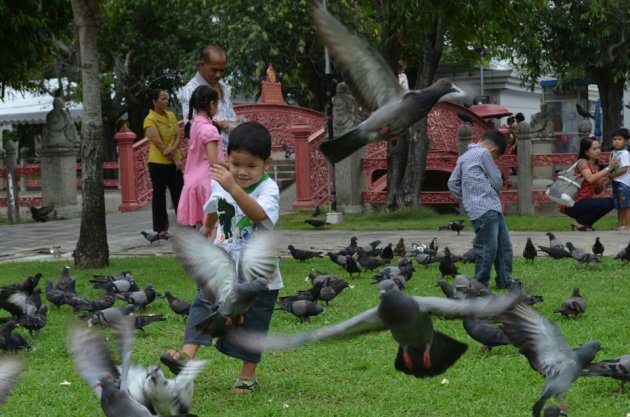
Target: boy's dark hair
x=510 y=120
x=623 y=132
x=497 y=138
x=519 y=117
x=200 y=99
x=251 y=137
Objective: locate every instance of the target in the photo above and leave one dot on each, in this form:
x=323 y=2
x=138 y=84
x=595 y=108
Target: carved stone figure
x=59 y=130
x=346 y=113
x=271 y=74
x=542 y=122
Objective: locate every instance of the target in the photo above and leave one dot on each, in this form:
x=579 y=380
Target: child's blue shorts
x=621 y=195
x=257 y=318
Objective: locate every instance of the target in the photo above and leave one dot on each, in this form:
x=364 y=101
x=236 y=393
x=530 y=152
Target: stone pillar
x=464 y=134
x=542 y=145
x=23 y=152
x=60 y=145
x=126 y=164
x=524 y=174
x=348 y=174
x=10 y=160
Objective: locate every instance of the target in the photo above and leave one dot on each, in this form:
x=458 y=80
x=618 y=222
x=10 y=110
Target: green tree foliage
x=579 y=39
x=30 y=30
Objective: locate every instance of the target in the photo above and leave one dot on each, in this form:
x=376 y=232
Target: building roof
x=31 y=108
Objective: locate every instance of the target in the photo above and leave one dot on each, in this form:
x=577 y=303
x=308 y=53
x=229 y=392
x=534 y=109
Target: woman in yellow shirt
x=165 y=165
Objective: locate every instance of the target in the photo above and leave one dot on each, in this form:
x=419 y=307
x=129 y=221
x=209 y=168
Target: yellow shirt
x=167 y=128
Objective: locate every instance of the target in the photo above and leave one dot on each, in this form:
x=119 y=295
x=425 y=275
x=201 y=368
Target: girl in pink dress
x=203 y=151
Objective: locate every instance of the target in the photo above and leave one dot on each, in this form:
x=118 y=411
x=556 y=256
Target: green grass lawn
x=352 y=377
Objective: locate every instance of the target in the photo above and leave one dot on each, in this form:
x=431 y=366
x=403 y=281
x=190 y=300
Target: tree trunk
x=610 y=93
x=92 y=250
x=406 y=165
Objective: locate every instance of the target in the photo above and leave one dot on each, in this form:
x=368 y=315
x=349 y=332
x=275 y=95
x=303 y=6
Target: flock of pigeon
x=490 y=319
x=123 y=390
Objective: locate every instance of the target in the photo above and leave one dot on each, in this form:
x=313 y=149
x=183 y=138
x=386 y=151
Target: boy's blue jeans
x=492 y=246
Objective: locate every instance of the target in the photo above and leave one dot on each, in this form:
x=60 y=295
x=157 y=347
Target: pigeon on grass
x=375 y=87
x=575 y=305
x=618 y=368
x=423 y=351
x=231 y=288
x=541 y=342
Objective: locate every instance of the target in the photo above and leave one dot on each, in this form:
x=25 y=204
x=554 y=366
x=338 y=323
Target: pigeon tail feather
x=340 y=148
x=445 y=351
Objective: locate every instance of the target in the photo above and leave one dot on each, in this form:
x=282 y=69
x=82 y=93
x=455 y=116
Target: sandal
x=245 y=386
x=174 y=365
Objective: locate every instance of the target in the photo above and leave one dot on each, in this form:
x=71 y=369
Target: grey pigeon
x=455 y=225
x=151 y=237
x=108 y=317
x=178 y=305
x=582 y=257
x=540 y=341
x=598 y=248
x=485 y=333
x=41 y=214
x=400 y=249
x=447 y=267
x=529 y=252
x=172 y=396
x=555 y=252
x=303 y=254
x=338 y=258
x=332 y=290
x=216 y=274
x=302 y=309
x=10 y=368
x=575 y=305
x=65 y=281
x=375 y=87
x=142 y=298
x=316 y=223
x=423 y=351
x=618 y=368
x=554 y=242
x=447 y=289
x=624 y=254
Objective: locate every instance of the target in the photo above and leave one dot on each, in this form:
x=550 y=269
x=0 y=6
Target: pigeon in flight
x=10 y=368
x=541 y=342
x=232 y=290
x=375 y=87
x=583 y=112
x=423 y=350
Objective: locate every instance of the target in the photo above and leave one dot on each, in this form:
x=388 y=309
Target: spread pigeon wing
x=370 y=79
x=538 y=339
x=10 y=369
x=212 y=267
x=258 y=258
x=92 y=359
x=365 y=322
x=471 y=307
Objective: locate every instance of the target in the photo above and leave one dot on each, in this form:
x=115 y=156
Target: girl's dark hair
x=200 y=99
x=585 y=145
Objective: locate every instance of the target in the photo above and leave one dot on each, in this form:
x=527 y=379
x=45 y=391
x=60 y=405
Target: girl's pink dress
x=197 y=179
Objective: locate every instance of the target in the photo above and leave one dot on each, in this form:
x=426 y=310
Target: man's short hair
x=497 y=138
x=207 y=51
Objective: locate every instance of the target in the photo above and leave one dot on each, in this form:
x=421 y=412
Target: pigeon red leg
x=426 y=356
x=407 y=358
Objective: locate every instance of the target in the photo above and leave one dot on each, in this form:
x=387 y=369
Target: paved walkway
x=33 y=241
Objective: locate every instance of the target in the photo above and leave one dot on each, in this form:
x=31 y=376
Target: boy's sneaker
x=245 y=386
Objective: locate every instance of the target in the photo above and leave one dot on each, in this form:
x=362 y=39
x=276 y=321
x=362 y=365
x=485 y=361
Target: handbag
x=566 y=186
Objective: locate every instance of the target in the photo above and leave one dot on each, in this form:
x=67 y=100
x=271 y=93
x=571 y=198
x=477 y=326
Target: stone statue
x=59 y=130
x=542 y=122
x=346 y=113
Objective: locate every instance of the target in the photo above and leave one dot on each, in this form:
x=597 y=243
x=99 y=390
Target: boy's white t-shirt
x=623 y=156
x=234 y=228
